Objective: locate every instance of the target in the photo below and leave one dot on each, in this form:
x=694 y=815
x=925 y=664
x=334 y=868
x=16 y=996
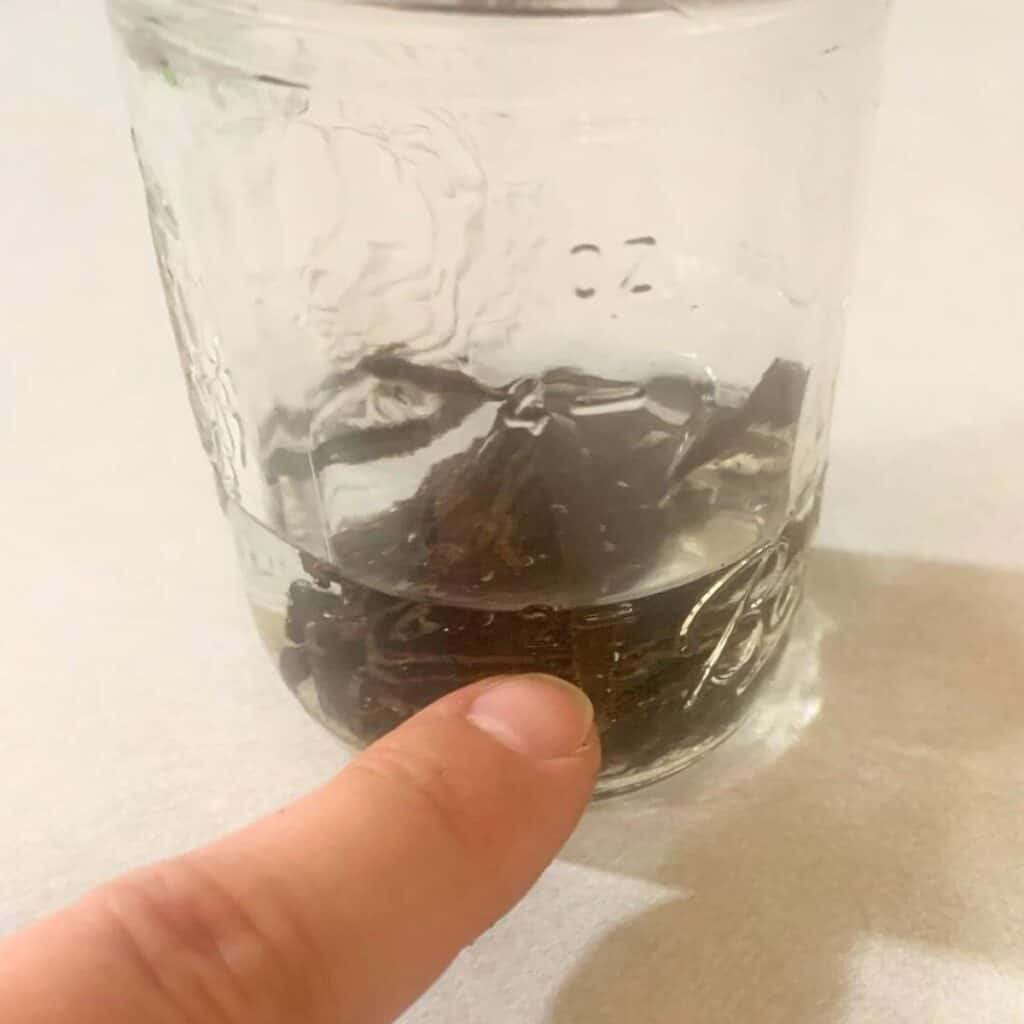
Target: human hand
x=343 y=907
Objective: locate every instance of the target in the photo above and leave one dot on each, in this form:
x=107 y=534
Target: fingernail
x=540 y=716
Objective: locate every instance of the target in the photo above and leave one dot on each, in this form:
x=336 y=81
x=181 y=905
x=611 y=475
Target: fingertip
x=540 y=716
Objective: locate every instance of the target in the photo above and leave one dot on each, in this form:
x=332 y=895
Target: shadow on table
x=876 y=795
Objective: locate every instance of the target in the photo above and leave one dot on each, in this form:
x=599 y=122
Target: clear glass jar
x=511 y=329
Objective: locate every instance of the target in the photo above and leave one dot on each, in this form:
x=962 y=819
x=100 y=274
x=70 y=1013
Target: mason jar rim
x=285 y=9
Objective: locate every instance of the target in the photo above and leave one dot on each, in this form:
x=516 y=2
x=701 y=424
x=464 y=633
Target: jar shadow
x=869 y=806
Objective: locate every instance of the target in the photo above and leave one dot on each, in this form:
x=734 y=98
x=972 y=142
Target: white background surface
x=866 y=864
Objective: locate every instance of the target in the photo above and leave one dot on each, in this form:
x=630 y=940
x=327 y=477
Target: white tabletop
x=855 y=855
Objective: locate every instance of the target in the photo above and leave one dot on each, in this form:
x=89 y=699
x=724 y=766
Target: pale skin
x=344 y=907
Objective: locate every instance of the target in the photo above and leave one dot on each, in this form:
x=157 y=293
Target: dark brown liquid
x=666 y=673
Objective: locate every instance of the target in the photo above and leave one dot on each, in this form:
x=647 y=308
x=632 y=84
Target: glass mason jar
x=511 y=329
